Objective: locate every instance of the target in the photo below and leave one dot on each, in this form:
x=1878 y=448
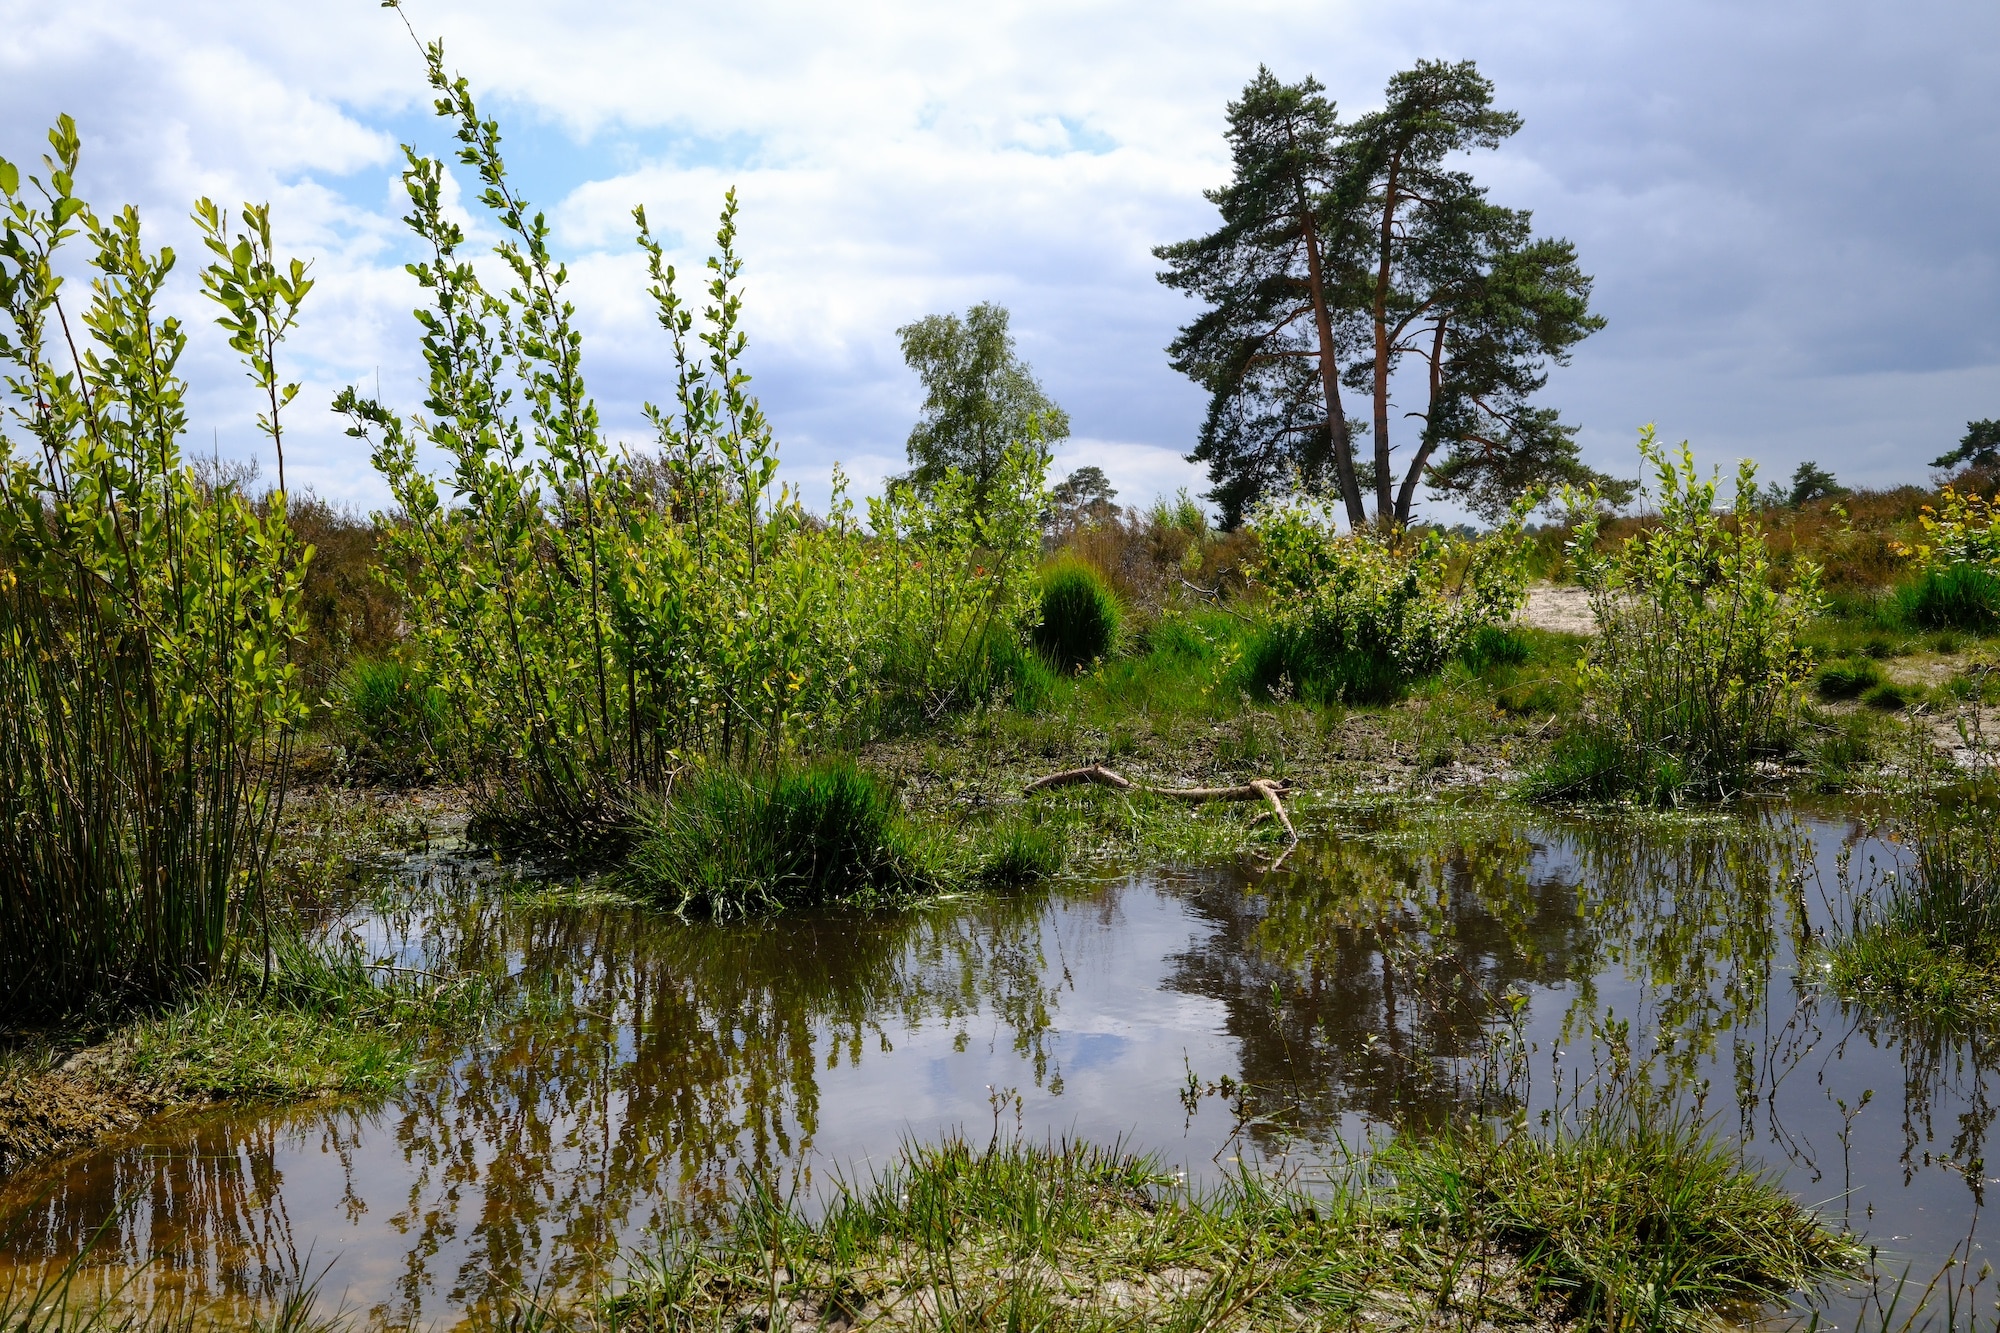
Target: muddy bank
x=52 y=1112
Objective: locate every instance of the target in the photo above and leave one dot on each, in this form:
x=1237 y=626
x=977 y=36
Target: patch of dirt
x=1566 y=610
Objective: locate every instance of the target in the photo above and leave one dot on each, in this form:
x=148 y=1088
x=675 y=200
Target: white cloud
x=1788 y=208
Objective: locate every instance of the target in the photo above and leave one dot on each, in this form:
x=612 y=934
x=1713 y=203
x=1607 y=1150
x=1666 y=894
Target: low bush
x=1697 y=671
x=1080 y=615
x=730 y=843
x=1355 y=617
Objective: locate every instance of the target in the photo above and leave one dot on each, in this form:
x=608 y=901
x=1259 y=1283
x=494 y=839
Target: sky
x=1791 y=210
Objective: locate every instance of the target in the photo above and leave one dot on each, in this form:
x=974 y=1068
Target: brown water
x=1416 y=969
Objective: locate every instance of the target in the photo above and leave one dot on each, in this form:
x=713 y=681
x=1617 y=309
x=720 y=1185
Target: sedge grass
x=1620 y=1226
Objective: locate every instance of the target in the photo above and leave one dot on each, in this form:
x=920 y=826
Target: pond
x=1421 y=965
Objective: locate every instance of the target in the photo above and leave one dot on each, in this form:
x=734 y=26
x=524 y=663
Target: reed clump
x=146 y=616
x=730 y=843
x=1080 y=615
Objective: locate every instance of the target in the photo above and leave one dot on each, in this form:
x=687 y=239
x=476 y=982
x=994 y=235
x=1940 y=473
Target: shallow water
x=1417 y=968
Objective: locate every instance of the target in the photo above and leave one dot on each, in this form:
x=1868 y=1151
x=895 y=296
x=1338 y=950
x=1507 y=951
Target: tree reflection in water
x=1421 y=968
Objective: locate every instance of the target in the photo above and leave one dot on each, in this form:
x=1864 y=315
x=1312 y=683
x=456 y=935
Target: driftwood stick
x=1257 y=789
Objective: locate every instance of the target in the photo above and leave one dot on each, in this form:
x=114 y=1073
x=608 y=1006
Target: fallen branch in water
x=1257 y=789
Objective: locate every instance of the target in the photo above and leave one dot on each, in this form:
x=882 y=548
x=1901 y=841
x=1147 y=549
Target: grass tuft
x=1080 y=615
x=1644 y=1223
x=1618 y=1228
x=735 y=844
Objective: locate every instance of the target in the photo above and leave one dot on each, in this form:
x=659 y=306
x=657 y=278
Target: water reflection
x=1422 y=967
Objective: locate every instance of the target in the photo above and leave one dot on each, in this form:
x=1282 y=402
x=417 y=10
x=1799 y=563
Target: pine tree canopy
x=1345 y=250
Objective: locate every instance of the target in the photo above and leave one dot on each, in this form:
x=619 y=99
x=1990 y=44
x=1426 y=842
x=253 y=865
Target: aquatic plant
x=1927 y=935
x=146 y=617
x=1697 y=670
x=1080 y=615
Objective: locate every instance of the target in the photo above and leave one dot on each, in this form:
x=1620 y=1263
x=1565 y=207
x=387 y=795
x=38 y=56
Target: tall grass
x=145 y=618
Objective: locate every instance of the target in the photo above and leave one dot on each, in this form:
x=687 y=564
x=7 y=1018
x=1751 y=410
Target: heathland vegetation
x=653 y=663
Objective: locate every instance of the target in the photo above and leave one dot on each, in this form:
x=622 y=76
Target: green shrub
x=1080 y=616
x=146 y=616
x=734 y=844
x=1846 y=678
x=1356 y=616
x=1697 y=669
x=595 y=617
x=1963 y=597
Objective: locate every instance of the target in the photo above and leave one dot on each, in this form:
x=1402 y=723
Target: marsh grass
x=394 y=719
x=1622 y=1226
x=328 y=1020
x=1958 y=596
x=734 y=844
x=1925 y=936
x=1637 y=1220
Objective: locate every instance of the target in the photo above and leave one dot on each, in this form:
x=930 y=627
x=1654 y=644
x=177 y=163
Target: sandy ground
x=1566 y=610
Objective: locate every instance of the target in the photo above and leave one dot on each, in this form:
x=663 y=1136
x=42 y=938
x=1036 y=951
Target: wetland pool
x=1416 y=966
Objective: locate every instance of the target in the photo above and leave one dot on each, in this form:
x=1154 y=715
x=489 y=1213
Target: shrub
x=1355 y=616
x=595 y=620
x=1696 y=672
x=1080 y=616
x=146 y=697
x=1846 y=678
x=733 y=844
x=1953 y=597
